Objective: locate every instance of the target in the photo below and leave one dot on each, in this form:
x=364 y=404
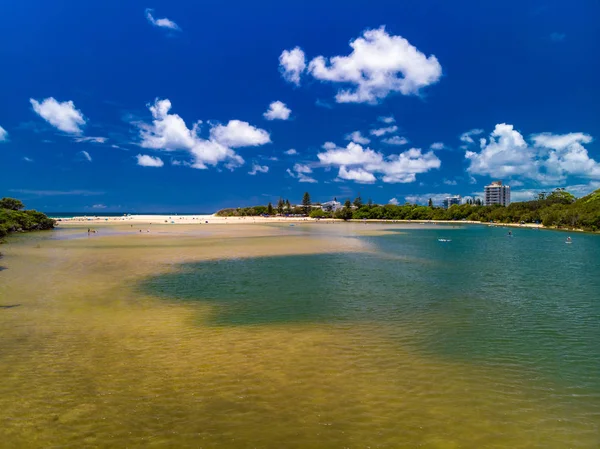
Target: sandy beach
x=214 y=219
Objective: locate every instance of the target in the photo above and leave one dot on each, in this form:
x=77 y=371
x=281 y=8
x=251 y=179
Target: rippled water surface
x=313 y=336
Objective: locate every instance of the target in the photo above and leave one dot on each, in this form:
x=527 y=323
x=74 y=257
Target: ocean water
x=325 y=336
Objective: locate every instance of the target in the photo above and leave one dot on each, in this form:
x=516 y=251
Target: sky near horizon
x=188 y=106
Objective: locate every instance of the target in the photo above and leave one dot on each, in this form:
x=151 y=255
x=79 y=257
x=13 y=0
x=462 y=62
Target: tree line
x=14 y=219
x=559 y=208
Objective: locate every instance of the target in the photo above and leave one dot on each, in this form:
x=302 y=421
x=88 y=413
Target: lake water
x=323 y=336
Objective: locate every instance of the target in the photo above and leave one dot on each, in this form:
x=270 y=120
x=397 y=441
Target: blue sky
x=188 y=106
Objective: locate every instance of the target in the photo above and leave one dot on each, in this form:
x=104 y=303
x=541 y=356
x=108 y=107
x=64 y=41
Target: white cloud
x=85 y=155
x=357 y=137
x=549 y=161
x=329 y=146
x=395 y=140
x=505 y=155
x=301 y=172
x=63 y=115
x=169 y=132
x=359 y=175
x=393 y=201
x=149 y=161
x=277 y=111
x=387 y=120
x=291 y=152
x=437 y=146
x=27 y=159
x=161 y=23
x=91 y=140
x=560 y=141
x=98 y=206
x=239 y=134
x=381 y=131
x=450 y=182
x=423 y=199
x=301 y=168
x=378 y=65
x=258 y=169
x=467 y=137
x=3 y=135
x=353 y=154
x=395 y=168
x=291 y=65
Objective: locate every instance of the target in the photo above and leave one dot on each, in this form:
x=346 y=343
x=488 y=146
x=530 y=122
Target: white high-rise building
x=496 y=193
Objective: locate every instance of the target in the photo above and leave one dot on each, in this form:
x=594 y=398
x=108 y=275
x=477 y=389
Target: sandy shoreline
x=214 y=219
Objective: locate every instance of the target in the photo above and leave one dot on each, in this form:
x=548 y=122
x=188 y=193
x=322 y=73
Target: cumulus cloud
x=395 y=168
x=239 y=134
x=63 y=116
x=161 y=23
x=301 y=172
x=357 y=137
x=291 y=65
x=395 y=140
x=550 y=159
x=98 y=206
x=3 y=135
x=258 y=169
x=169 y=132
x=560 y=141
x=437 y=146
x=450 y=182
x=388 y=120
x=291 y=152
x=277 y=111
x=379 y=64
x=382 y=131
x=505 y=155
x=359 y=175
x=393 y=201
x=149 y=161
x=85 y=156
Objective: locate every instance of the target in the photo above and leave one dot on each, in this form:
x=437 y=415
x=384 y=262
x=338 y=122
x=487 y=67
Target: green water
x=485 y=297
x=310 y=336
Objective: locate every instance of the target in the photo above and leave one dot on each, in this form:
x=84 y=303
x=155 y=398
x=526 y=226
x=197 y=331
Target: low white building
x=331 y=206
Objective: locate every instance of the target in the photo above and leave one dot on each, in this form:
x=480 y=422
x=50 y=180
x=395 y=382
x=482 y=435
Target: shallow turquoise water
x=528 y=302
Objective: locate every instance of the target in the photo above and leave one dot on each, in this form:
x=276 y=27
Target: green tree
x=358 y=202
x=280 y=205
x=318 y=213
x=270 y=208
x=11 y=204
x=288 y=206
x=306 y=202
x=348 y=204
x=430 y=203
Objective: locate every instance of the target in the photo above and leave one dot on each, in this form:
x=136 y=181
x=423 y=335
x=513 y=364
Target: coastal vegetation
x=558 y=209
x=13 y=218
